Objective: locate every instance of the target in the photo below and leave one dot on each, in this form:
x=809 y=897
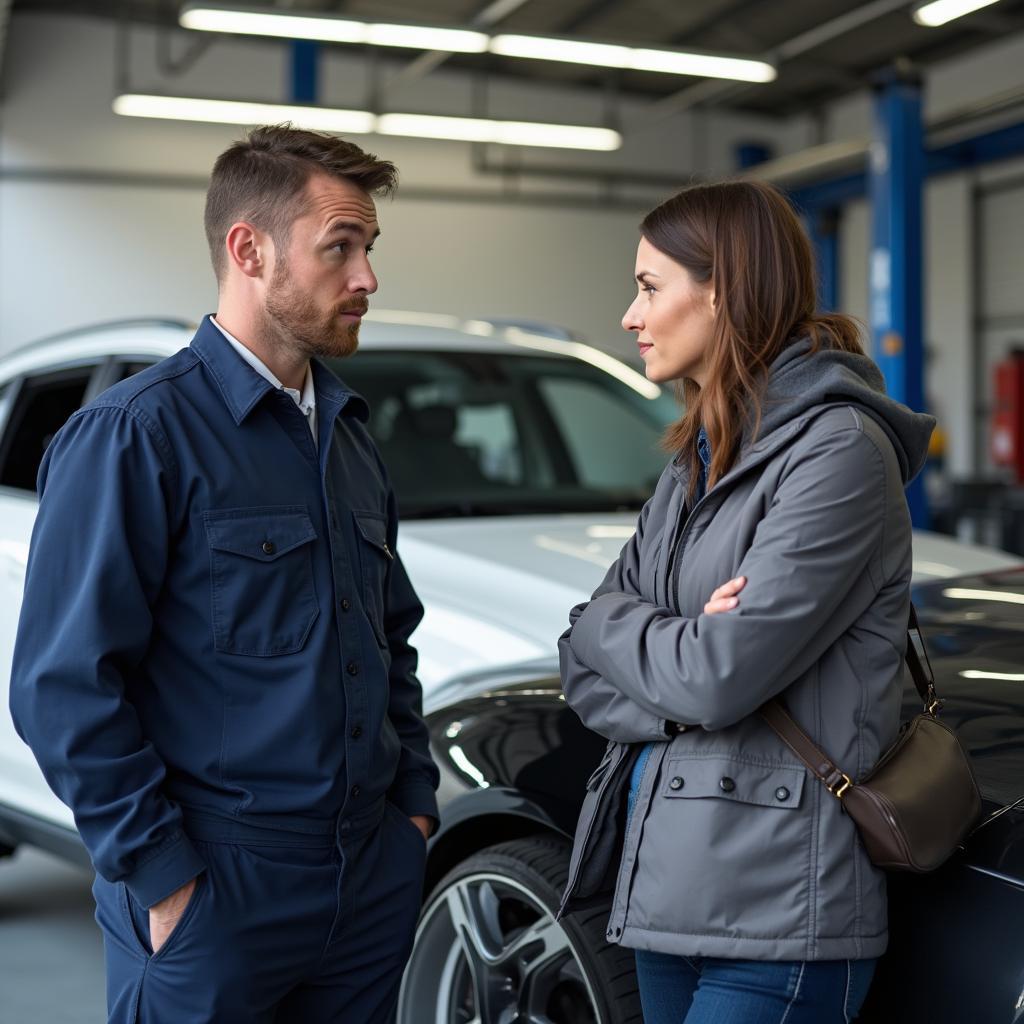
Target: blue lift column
x=895 y=173
x=823 y=225
x=305 y=67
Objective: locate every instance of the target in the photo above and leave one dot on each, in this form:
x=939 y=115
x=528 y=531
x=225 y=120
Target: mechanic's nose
x=364 y=280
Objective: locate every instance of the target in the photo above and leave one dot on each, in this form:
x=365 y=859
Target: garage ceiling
x=822 y=71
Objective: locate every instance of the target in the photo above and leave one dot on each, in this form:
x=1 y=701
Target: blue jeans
x=713 y=990
x=706 y=990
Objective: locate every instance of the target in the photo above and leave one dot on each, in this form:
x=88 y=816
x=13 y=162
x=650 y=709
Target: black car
x=515 y=762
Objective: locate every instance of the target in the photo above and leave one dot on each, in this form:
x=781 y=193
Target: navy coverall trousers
x=289 y=928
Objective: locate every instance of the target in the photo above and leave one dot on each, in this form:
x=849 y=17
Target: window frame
x=21 y=383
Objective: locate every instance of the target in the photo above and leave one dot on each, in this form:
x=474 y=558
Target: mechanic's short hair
x=262 y=179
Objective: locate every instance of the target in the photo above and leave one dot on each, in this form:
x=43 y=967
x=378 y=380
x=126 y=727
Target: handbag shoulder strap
x=921 y=667
x=819 y=763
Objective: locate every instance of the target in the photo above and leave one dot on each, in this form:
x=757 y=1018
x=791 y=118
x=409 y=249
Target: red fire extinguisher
x=1006 y=441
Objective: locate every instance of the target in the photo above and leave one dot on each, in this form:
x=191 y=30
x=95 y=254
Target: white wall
x=74 y=251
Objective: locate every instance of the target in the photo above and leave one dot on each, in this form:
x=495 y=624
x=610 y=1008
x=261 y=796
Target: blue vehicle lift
x=305 y=71
x=895 y=176
x=897 y=166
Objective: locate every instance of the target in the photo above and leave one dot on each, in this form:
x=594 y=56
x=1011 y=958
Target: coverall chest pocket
x=375 y=557
x=261 y=570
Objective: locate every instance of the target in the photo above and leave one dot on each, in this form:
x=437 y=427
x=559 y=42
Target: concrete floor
x=51 y=953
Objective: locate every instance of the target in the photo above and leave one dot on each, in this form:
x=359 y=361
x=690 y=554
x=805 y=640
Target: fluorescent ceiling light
x=1010 y=677
x=325 y=28
x=259 y=23
x=703 y=65
x=464 y=129
x=672 y=62
x=568 y=51
x=181 y=108
x=941 y=11
x=415 y=37
x=966 y=594
x=509 y=133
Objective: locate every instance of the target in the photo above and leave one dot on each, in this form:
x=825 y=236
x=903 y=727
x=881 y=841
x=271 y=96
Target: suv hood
x=499 y=590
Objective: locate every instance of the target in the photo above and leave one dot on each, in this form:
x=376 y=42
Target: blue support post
x=824 y=231
x=305 y=68
x=895 y=173
x=750 y=154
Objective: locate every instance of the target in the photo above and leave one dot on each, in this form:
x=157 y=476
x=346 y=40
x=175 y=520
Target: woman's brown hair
x=744 y=238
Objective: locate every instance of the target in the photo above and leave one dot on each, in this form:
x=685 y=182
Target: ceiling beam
x=712 y=90
x=592 y=10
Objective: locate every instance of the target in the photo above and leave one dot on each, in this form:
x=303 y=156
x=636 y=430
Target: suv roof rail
x=533 y=327
x=103 y=325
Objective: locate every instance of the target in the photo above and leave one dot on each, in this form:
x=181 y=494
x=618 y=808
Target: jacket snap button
x=268 y=547
x=676 y=783
x=726 y=785
x=782 y=793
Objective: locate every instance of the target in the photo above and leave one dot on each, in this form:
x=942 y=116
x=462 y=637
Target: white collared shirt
x=306 y=400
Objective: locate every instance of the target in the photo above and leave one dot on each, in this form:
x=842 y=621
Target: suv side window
x=41 y=406
x=6 y=394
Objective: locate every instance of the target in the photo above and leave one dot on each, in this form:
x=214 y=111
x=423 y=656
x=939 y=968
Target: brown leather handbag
x=918 y=803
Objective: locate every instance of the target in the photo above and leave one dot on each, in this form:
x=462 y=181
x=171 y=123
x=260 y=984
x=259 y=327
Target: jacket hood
x=799 y=380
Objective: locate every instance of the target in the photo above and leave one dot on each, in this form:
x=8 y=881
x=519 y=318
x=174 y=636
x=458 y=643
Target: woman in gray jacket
x=772 y=561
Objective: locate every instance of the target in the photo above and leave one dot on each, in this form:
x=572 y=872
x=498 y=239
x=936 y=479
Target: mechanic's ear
x=248 y=249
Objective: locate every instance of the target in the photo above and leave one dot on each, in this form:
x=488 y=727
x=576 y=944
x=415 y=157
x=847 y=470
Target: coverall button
x=353 y=669
x=676 y=783
x=268 y=547
x=782 y=793
x=345 y=604
x=355 y=791
x=357 y=731
x=726 y=785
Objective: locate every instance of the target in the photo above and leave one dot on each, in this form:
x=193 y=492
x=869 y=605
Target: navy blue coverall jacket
x=215 y=618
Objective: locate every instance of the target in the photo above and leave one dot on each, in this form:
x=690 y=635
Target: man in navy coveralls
x=213 y=665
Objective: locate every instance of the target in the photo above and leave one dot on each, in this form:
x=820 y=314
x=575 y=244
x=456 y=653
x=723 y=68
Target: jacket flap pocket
x=264 y=534
x=374 y=528
x=726 y=778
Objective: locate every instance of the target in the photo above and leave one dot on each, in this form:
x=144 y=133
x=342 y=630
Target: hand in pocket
x=164 y=916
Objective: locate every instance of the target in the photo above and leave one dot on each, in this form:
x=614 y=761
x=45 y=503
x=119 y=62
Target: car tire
x=488 y=946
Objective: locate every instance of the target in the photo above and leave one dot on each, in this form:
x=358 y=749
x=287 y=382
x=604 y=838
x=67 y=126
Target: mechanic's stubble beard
x=293 y=319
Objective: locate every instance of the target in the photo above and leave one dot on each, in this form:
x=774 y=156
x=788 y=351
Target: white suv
x=520 y=459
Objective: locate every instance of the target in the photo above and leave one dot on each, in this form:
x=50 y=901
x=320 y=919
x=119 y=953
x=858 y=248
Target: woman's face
x=673 y=316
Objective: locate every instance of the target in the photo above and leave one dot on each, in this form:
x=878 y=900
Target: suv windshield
x=480 y=433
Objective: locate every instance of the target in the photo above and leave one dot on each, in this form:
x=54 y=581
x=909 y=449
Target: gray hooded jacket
x=734 y=849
